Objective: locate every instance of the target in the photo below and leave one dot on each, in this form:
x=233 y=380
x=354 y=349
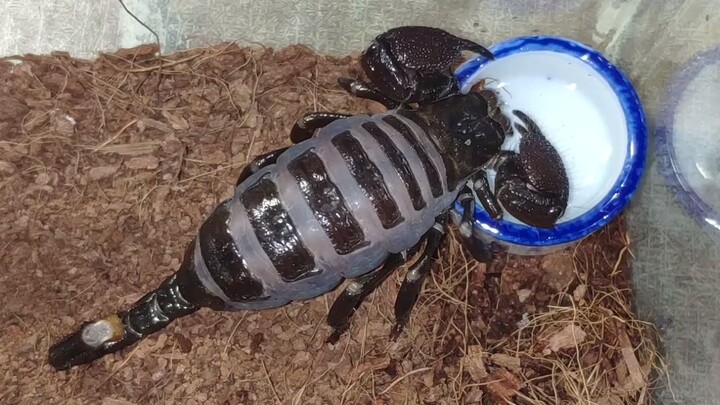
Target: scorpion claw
x=530 y=128
x=476 y=48
x=532 y=185
x=412 y=64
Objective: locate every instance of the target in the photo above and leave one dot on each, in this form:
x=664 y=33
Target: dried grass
x=586 y=346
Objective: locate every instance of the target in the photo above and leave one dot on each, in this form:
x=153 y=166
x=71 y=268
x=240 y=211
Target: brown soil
x=110 y=166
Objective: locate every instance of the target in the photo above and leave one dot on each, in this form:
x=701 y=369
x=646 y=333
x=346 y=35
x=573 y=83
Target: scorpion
x=353 y=198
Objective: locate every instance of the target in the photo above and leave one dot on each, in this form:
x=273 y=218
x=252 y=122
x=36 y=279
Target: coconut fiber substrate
x=108 y=168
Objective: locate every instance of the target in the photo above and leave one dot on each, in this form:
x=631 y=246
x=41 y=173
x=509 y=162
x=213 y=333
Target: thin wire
x=157 y=37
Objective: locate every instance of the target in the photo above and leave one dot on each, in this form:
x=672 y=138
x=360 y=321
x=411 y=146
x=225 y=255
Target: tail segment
x=179 y=295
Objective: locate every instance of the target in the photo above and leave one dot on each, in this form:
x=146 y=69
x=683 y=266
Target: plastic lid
x=688 y=137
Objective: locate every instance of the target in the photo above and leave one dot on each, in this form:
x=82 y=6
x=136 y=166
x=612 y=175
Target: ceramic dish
x=589 y=111
x=688 y=138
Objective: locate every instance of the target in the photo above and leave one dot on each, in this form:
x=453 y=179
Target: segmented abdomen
x=331 y=208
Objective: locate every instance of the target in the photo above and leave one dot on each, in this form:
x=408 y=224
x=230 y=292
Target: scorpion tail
x=176 y=297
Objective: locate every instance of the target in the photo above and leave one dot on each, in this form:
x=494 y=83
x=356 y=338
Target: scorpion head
x=412 y=64
x=469 y=129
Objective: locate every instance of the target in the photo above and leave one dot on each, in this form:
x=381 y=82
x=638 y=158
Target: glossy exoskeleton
x=353 y=198
x=411 y=64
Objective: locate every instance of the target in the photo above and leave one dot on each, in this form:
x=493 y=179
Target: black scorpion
x=353 y=201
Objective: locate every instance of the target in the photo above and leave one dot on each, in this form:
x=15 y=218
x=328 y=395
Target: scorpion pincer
x=354 y=198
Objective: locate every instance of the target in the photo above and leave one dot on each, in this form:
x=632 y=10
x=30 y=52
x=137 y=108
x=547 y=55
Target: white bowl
x=589 y=111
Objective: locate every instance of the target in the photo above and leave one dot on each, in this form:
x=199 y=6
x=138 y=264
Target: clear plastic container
x=688 y=137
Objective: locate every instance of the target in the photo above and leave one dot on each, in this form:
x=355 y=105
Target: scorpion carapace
x=353 y=201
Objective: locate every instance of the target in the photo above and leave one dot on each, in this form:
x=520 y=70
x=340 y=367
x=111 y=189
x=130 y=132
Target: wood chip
x=177 y=123
x=114 y=401
x=64 y=124
x=215 y=157
x=503 y=384
x=241 y=94
x=509 y=362
x=571 y=336
x=637 y=379
x=151 y=123
x=102 y=172
x=11 y=108
x=137 y=52
x=611 y=400
x=172 y=144
x=143 y=162
x=42 y=179
x=559 y=269
x=524 y=294
x=473 y=363
x=428 y=379
x=579 y=293
x=7 y=167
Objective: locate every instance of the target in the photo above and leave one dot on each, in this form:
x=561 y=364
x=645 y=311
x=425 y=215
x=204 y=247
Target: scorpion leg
x=176 y=297
x=305 y=127
x=485 y=195
x=532 y=185
x=301 y=131
x=352 y=297
x=434 y=86
x=258 y=163
x=363 y=90
x=476 y=247
x=410 y=288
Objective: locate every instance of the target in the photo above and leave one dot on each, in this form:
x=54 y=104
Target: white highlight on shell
x=413 y=275
x=465 y=229
x=98 y=333
x=354 y=288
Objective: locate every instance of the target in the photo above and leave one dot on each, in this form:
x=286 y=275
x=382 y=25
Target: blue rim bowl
x=634 y=165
